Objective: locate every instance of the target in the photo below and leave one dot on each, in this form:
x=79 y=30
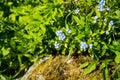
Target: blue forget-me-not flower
x=60 y=34
x=108 y=9
x=83 y=45
x=77 y=11
x=111 y=24
x=95 y=19
x=90 y=46
x=101 y=5
x=68 y=30
x=56 y=44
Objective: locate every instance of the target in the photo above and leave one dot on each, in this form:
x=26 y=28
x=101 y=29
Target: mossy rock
x=61 y=68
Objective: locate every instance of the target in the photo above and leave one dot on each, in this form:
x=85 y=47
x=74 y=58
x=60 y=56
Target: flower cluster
x=77 y=11
x=60 y=34
x=56 y=44
x=101 y=5
x=84 y=45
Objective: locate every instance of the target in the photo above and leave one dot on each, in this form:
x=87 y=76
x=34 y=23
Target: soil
x=61 y=68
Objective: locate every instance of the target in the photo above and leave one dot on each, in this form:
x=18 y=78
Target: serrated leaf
x=90 y=68
x=84 y=65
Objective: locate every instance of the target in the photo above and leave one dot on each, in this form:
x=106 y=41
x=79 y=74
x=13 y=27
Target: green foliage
x=84 y=65
x=116 y=73
x=28 y=31
x=90 y=68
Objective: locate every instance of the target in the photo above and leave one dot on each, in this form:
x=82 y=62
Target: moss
x=56 y=68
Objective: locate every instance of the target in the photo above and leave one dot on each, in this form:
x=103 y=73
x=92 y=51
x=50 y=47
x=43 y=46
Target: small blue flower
x=102 y=2
x=111 y=23
x=83 y=45
x=77 y=11
x=90 y=46
x=101 y=5
x=113 y=26
x=68 y=30
x=60 y=34
x=62 y=37
x=95 y=19
x=56 y=44
x=108 y=9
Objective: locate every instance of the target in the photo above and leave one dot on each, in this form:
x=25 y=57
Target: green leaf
x=105 y=74
x=5 y=51
x=90 y=68
x=118 y=13
x=2 y=77
x=117 y=59
x=118 y=79
x=27 y=55
x=71 y=50
x=97 y=12
x=103 y=65
x=102 y=32
x=84 y=65
x=64 y=51
x=95 y=43
x=43 y=28
x=77 y=20
x=10 y=3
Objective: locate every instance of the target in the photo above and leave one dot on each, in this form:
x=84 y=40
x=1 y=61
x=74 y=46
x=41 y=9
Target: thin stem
x=67 y=17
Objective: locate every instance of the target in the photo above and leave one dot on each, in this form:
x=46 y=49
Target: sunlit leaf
x=90 y=68
x=84 y=65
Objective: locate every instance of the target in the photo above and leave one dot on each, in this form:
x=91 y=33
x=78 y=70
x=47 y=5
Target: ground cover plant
x=32 y=29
